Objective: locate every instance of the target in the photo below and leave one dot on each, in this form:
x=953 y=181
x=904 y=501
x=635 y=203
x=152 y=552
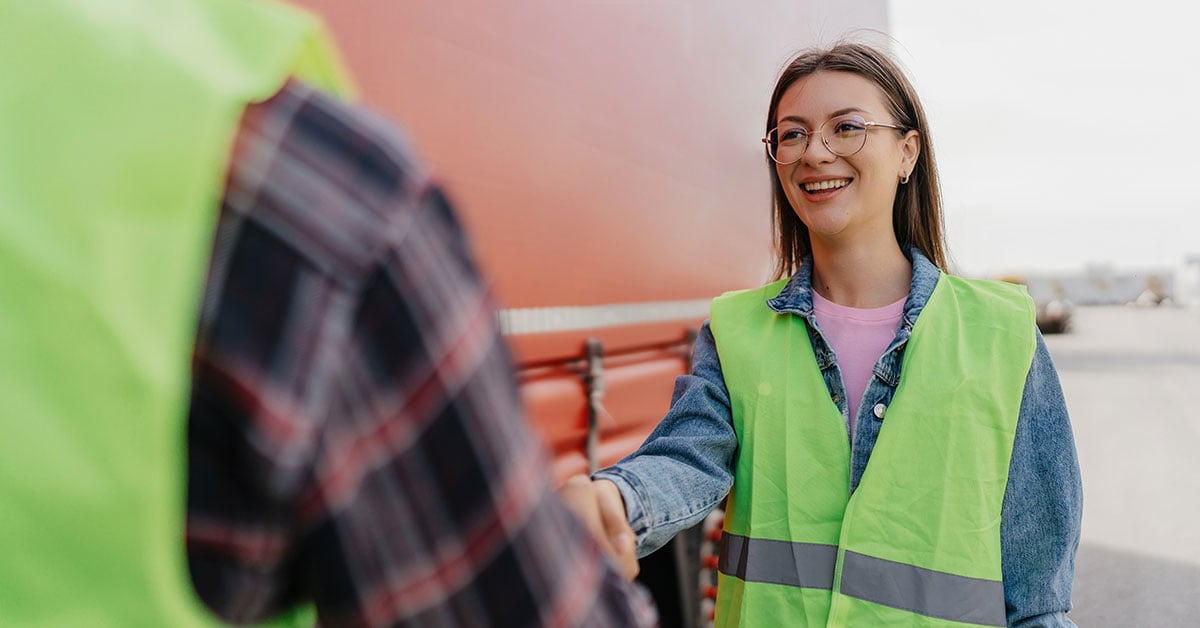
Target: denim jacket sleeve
x=685 y=467
x=1043 y=505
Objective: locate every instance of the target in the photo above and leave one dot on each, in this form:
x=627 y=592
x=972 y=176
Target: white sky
x=1067 y=133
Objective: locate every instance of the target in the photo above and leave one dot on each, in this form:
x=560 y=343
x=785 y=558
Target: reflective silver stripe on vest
x=808 y=565
x=923 y=591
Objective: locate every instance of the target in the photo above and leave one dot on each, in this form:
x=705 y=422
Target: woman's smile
x=817 y=190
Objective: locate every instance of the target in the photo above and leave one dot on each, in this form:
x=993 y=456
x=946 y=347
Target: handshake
x=599 y=505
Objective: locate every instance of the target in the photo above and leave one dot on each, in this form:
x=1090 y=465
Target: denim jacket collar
x=796 y=298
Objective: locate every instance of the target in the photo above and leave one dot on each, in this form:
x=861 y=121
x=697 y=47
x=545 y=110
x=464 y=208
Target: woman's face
x=841 y=198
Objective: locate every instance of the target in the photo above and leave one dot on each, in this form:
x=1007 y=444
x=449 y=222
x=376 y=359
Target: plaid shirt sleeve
x=355 y=436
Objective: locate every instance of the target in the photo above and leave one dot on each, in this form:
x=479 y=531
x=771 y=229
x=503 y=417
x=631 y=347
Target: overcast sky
x=1067 y=133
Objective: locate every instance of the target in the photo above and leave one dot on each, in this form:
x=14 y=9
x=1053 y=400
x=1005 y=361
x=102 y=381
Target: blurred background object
x=1053 y=310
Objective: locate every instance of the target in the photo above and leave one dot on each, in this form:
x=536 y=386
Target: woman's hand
x=598 y=503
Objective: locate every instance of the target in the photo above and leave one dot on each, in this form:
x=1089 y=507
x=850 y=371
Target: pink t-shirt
x=858 y=338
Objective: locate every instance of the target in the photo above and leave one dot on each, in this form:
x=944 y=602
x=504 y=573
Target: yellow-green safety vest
x=116 y=122
x=918 y=544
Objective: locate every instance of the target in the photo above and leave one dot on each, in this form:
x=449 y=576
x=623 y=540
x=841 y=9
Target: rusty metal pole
x=594 y=380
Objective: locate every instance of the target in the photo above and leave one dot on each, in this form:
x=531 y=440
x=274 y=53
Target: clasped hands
x=599 y=505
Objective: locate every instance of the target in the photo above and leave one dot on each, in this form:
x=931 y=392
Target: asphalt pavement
x=1131 y=377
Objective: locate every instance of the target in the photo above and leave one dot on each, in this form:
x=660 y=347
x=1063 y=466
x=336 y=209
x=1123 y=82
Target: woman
x=893 y=439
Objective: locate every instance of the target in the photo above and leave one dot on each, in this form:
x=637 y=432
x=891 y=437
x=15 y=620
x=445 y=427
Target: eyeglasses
x=843 y=137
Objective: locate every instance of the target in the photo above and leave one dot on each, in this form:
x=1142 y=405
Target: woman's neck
x=866 y=275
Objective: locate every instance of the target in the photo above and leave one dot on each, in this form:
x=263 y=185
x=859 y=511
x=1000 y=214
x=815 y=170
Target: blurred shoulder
x=332 y=180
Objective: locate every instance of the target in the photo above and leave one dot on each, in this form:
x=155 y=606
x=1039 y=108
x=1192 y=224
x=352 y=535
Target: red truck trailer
x=605 y=157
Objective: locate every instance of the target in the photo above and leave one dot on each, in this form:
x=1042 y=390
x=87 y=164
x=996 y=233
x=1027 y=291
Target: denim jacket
x=685 y=467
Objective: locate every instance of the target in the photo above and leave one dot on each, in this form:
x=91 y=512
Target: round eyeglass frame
x=808 y=139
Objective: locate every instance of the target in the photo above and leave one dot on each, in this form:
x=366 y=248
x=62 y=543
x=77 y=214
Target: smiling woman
x=861 y=81
x=892 y=439
x=841 y=190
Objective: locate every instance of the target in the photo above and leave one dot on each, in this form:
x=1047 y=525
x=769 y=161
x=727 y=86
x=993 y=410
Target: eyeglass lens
x=842 y=136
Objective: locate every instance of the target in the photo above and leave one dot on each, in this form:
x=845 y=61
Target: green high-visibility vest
x=116 y=122
x=918 y=544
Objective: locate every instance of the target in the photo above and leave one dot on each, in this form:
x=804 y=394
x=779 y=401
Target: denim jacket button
x=880 y=409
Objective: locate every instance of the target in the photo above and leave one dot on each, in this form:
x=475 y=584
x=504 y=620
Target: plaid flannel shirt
x=355 y=435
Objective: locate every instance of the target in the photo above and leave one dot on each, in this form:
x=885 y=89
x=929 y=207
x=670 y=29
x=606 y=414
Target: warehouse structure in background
x=1103 y=284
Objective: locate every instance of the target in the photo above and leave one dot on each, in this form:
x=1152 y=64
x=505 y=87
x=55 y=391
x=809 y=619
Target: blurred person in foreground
x=236 y=303
x=893 y=439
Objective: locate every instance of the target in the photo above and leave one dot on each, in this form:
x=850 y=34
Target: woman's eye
x=849 y=127
x=792 y=135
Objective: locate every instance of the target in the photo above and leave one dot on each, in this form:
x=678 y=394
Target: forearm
x=1040 y=521
x=659 y=511
x=685 y=467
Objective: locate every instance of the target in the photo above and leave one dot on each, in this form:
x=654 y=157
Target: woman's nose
x=816 y=152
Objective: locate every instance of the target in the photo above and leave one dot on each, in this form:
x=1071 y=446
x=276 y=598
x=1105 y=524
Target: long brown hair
x=917 y=211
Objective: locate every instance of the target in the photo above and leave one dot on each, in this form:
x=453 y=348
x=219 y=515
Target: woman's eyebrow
x=840 y=112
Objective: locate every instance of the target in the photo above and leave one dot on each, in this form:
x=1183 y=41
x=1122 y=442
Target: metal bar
x=595 y=392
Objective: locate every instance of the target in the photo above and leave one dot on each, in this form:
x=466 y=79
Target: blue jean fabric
x=685 y=467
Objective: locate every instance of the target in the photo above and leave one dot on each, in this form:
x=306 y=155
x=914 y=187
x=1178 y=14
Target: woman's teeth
x=831 y=184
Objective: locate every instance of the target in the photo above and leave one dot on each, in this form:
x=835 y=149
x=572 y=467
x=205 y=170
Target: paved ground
x=1132 y=381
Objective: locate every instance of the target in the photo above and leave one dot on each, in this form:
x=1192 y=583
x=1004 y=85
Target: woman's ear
x=910 y=149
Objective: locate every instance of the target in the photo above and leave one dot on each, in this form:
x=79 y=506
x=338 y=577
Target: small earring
x=904 y=179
